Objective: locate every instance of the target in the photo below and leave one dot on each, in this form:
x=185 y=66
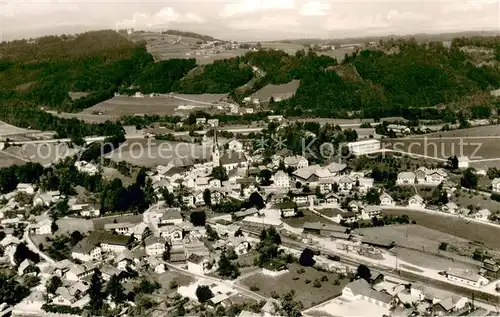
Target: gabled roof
x=152 y=240
x=196 y=258
x=233 y=158
x=406 y=175
x=361 y=287
x=385 y=195
x=171 y=214
x=418 y=198
x=336 y=167
x=495 y=181
x=83 y=247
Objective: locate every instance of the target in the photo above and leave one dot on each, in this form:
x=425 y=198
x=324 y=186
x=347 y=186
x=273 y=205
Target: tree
x=95 y=292
x=364 y=272
x=238 y=233
x=452 y=162
x=265 y=177
x=288 y=307
x=203 y=293
x=226 y=268
x=207 y=197
x=54 y=226
x=22 y=253
x=212 y=235
x=219 y=172
x=53 y=284
x=198 y=218
x=372 y=197
x=256 y=200
x=115 y=289
x=469 y=178
x=307 y=257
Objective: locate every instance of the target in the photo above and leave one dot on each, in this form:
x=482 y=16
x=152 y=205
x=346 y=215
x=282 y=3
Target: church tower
x=215 y=150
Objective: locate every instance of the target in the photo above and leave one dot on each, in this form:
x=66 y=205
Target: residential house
x=450 y=207
x=361 y=290
x=332 y=199
x=346 y=184
x=77 y=272
x=197 y=264
x=430 y=176
x=483 y=214
x=356 y=206
x=240 y=245
x=303 y=198
x=386 y=200
x=171 y=216
x=28 y=189
x=213 y=122
x=86 y=167
x=275 y=118
x=336 y=168
x=68 y=296
x=347 y=217
x=155 y=246
x=281 y=180
x=156 y=265
x=399 y=129
x=405 y=178
x=171 y=232
x=46 y=199
x=287 y=209
x=42 y=227
x=466 y=276
x=124 y=260
x=86 y=251
x=495 y=185
x=326 y=184
x=463 y=162
x=235 y=146
x=23 y=267
x=416 y=201
x=449 y=305
x=369 y=212
x=89 y=211
x=201 y=121
x=296 y=161
x=114 y=243
x=365 y=184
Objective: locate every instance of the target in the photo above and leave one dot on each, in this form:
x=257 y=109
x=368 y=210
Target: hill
x=190 y=34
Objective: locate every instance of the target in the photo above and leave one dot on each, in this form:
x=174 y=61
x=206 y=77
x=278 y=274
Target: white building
x=463 y=162
x=386 y=200
x=466 y=276
x=85 y=251
x=361 y=290
x=406 y=178
x=495 y=185
x=416 y=201
x=364 y=147
x=296 y=161
x=235 y=145
x=43 y=227
x=197 y=264
x=171 y=216
x=25 y=188
x=483 y=214
x=281 y=180
x=155 y=246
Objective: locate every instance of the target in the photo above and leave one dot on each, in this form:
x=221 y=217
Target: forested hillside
x=400 y=78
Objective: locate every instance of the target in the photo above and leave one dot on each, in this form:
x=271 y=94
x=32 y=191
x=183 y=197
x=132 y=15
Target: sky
x=250 y=19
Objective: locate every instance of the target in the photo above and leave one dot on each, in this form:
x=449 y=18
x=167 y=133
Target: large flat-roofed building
x=363 y=147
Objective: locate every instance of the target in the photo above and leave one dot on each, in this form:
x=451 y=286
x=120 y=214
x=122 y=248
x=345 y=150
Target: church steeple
x=215 y=149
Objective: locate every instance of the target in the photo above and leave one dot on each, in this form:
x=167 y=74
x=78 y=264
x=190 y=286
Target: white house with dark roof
x=171 y=232
x=42 y=227
x=346 y=184
x=197 y=264
x=86 y=251
x=235 y=145
x=450 y=207
x=155 y=246
x=231 y=160
x=483 y=214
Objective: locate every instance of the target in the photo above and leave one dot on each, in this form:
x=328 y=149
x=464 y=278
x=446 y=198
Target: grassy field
x=68 y=225
x=7 y=160
x=119 y=106
x=307 y=293
x=284 y=91
x=479 y=201
x=309 y=216
x=427 y=260
x=477 y=143
x=41 y=153
x=6 y=129
x=473 y=231
x=150 y=153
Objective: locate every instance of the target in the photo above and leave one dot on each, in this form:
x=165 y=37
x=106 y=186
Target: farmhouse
x=155 y=246
x=288 y=209
x=483 y=214
x=398 y=128
x=450 y=207
x=430 y=176
x=363 y=147
x=281 y=180
x=86 y=251
x=297 y=161
x=43 y=227
x=197 y=264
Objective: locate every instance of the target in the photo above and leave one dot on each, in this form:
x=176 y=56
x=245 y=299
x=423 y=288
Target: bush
x=275 y=295
x=317 y=283
x=173 y=285
x=62 y=309
x=324 y=278
x=295 y=278
x=301 y=271
x=254 y=288
x=443 y=246
x=307 y=281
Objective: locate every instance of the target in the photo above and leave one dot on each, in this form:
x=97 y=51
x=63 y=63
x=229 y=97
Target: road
x=33 y=247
